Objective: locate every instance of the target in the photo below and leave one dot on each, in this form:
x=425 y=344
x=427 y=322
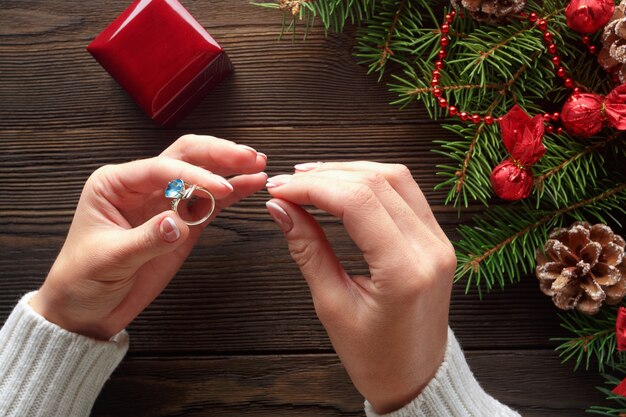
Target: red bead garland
x=444 y=41
x=548 y=37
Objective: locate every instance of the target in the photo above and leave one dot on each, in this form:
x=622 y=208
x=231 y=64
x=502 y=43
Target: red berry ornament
x=585 y=114
x=588 y=16
x=511 y=181
x=581 y=114
x=522 y=136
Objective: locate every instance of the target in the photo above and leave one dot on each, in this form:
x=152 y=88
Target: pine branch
x=501 y=53
x=386 y=50
x=475 y=153
x=387 y=36
x=570 y=167
x=418 y=91
x=501 y=245
x=334 y=14
x=594 y=338
x=619 y=402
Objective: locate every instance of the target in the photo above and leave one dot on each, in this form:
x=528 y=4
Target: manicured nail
x=226 y=183
x=280 y=216
x=246 y=147
x=309 y=166
x=169 y=230
x=277 y=181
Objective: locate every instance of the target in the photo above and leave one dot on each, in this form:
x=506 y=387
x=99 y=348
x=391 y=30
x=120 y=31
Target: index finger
x=218 y=155
x=148 y=175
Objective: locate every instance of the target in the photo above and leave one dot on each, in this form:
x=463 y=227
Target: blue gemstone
x=175 y=189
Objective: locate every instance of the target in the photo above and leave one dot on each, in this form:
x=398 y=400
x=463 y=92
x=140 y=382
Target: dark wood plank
x=49 y=80
x=317 y=385
x=65 y=158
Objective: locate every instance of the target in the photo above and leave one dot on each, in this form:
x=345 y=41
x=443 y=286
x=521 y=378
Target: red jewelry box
x=162 y=56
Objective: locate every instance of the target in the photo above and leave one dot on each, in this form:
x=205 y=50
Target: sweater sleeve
x=48 y=371
x=453 y=392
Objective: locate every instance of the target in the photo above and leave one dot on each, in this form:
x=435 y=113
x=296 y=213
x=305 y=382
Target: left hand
x=125 y=245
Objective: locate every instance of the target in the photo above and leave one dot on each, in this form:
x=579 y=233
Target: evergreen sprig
x=475 y=155
x=618 y=407
x=570 y=166
x=333 y=14
x=594 y=341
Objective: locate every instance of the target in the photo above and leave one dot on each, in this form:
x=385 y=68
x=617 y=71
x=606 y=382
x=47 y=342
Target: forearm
x=453 y=392
x=48 y=371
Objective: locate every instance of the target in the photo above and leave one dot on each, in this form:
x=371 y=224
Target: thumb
x=160 y=235
x=310 y=249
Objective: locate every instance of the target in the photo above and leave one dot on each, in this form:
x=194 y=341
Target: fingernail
x=226 y=183
x=309 y=166
x=280 y=216
x=246 y=147
x=277 y=181
x=169 y=230
x=262 y=155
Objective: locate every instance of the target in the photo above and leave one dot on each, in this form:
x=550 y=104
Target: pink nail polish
x=226 y=183
x=277 y=181
x=246 y=147
x=280 y=216
x=309 y=166
x=169 y=230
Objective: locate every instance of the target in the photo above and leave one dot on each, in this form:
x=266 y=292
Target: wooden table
x=235 y=333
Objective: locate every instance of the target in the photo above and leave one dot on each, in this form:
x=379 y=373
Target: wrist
x=56 y=308
x=385 y=403
x=393 y=393
x=408 y=379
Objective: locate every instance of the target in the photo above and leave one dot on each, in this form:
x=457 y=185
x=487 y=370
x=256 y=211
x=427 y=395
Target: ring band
x=179 y=190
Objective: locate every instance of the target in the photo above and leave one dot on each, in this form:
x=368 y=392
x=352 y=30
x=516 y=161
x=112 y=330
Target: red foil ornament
x=586 y=114
x=588 y=16
x=620 y=389
x=522 y=137
x=620 y=329
x=615 y=107
x=582 y=114
x=620 y=335
x=510 y=181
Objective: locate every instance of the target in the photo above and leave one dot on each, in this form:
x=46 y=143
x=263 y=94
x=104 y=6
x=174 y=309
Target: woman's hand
x=125 y=245
x=389 y=329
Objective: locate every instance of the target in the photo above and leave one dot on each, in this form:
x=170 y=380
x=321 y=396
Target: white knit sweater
x=46 y=371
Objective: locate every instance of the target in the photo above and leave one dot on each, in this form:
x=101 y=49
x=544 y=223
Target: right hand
x=389 y=329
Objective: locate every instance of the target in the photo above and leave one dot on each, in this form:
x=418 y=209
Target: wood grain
x=72 y=90
x=235 y=333
x=317 y=386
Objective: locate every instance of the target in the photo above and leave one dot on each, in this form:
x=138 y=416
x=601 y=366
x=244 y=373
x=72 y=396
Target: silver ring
x=179 y=190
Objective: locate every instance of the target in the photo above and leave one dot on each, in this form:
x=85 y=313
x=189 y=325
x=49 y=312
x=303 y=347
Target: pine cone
x=583 y=266
x=612 y=56
x=490 y=11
